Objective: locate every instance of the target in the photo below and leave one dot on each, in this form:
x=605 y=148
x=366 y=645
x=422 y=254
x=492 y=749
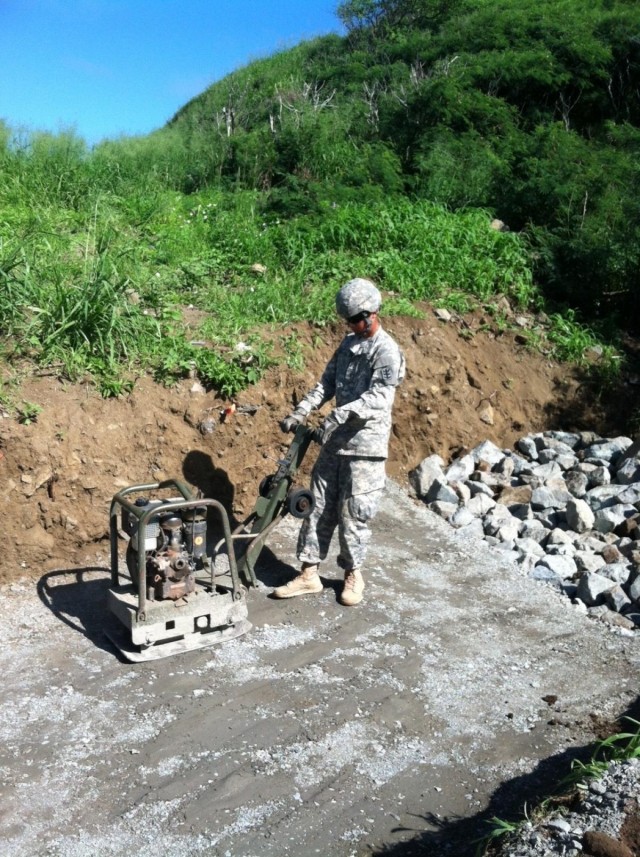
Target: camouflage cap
x=357 y=296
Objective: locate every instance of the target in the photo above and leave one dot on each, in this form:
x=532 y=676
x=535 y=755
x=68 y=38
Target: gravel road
x=456 y=690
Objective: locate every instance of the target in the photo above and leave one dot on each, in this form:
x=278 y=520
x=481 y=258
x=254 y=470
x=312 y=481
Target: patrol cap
x=357 y=296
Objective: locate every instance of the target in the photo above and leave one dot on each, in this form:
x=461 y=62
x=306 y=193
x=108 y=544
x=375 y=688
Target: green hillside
x=529 y=110
x=385 y=153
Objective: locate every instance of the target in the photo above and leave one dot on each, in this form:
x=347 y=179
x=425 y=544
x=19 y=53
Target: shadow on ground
x=77 y=596
x=463 y=837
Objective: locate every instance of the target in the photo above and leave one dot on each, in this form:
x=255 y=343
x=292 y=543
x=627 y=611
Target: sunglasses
x=356 y=319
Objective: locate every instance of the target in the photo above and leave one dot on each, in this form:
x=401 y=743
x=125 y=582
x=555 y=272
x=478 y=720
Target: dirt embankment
x=464 y=383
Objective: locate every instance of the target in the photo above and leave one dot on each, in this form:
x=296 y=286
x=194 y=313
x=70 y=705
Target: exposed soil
x=464 y=383
x=630 y=833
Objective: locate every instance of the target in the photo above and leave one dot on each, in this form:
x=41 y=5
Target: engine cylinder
x=195 y=531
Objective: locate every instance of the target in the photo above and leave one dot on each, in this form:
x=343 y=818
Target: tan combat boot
x=353 y=588
x=306 y=583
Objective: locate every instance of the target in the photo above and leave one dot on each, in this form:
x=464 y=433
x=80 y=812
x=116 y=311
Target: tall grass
x=100 y=251
x=421 y=250
x=418 y=251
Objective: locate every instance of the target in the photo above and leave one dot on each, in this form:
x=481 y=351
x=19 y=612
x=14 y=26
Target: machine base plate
x=121 y=639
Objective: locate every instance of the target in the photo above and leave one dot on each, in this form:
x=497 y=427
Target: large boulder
x=579 y=515
x=593 y=587
x=424 y=475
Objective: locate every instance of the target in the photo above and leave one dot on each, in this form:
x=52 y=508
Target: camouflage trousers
x=347 y=491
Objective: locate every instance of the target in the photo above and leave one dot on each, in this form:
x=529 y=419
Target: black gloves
x=323 y=433
x=291 y=423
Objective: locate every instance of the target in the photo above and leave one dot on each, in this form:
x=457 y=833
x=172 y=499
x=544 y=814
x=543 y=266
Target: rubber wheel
x=300 y=503
x=266 y=485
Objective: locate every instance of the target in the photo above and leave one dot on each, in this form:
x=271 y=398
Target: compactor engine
x=174 y=548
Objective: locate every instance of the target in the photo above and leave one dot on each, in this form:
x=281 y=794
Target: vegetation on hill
x=384 y=153
x=529 y=110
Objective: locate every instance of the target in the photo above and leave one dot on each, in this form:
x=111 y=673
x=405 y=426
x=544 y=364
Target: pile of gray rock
x=604 y=819
x=565 y=506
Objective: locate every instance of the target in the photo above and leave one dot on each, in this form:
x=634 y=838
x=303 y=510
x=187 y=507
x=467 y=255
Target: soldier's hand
x=323 y=433
x=291 y=423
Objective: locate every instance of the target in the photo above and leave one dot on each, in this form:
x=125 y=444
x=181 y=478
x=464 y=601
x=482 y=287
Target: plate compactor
x=183 y=591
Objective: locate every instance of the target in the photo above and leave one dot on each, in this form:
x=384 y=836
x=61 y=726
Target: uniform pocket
x=363 y=507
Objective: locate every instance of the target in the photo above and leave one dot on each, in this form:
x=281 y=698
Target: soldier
x=349 y=475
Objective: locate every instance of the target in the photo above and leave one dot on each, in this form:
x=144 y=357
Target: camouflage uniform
x=349 y=475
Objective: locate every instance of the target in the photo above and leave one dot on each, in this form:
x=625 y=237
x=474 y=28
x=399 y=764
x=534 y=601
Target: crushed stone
x=603 y=807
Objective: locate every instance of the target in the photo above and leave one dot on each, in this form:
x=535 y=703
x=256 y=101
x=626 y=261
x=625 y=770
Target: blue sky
x=112 y=67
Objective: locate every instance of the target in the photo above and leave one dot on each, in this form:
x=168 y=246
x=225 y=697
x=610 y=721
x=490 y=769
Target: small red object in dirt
x=228 y=412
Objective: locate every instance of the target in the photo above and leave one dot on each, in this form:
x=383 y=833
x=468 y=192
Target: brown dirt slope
x=464 y=383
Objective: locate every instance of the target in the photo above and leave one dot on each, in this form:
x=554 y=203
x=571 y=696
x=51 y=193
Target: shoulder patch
x=386 y=374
